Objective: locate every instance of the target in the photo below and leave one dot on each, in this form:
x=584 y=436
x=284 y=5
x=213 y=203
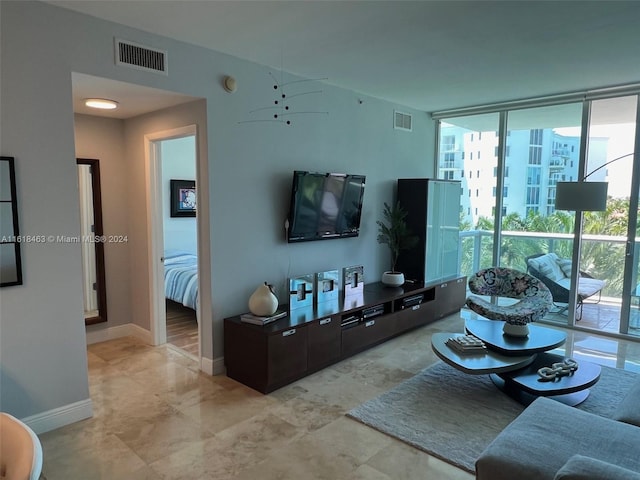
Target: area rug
x=454 y=416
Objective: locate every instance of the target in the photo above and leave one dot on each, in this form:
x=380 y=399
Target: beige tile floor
x=157 y=417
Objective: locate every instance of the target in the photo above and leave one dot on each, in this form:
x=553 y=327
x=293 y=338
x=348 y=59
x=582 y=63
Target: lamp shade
x=581 y=196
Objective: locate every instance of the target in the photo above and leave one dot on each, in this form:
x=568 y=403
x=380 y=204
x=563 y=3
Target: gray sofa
x=551 y=441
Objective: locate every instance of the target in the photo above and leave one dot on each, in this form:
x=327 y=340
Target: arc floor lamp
x=584 y=196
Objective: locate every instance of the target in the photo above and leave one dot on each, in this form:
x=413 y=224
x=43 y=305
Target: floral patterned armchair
x=535 y=297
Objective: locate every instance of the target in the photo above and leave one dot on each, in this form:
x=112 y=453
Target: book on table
x=466 y=344
x=258 y=320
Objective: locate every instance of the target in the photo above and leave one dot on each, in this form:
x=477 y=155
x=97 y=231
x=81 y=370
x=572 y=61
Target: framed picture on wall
x=183 y=198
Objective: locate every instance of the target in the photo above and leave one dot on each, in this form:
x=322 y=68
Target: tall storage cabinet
x=433 y=214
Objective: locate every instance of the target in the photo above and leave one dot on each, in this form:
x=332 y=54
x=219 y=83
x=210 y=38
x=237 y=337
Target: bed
x=181 y=278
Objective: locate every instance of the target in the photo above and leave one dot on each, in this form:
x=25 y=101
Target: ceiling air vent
x=402 y=121
x=138 y=56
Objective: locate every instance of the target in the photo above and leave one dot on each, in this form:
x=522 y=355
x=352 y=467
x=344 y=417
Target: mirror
x=95 y=294
x=10 y=260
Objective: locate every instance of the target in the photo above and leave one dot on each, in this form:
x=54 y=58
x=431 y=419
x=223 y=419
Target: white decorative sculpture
x=263 y=302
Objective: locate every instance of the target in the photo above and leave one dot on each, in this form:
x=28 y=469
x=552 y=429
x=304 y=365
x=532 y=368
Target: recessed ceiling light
x=101 y=103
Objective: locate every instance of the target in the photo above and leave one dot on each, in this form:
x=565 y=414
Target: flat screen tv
x=324 y=206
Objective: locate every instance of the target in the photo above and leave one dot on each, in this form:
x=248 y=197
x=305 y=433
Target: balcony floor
x=603 y=317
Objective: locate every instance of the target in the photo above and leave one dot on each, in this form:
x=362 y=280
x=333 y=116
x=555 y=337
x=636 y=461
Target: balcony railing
x=602 y=255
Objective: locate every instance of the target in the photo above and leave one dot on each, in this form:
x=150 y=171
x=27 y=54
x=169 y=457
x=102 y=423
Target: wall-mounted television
x=324 y=206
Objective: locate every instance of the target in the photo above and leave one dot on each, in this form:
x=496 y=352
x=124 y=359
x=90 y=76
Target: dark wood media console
x=268 y=357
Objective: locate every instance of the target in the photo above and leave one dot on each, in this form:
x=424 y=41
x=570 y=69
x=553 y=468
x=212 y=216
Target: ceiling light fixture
x=101 y=103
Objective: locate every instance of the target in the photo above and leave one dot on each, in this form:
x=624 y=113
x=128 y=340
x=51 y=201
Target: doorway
x=180 y=241
x=172 y=166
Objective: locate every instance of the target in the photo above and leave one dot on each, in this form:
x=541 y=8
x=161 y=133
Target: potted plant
x=396 y=235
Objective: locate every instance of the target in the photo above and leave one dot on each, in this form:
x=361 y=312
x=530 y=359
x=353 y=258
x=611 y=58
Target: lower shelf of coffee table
x=525 y=385
x=519 y=395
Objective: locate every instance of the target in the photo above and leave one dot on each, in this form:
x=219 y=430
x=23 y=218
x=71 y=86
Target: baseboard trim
x=110 y=333
x=59 y=417
x=206 y=365
x=217 y=366
x=141 y=333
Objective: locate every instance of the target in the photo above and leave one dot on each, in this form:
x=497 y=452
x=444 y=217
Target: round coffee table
x=482 y=363
x=540 y=339
x=513 y=362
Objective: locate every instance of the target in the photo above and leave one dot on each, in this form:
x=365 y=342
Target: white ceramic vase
x=515 y=330
x=393 y=279
x=263 y=302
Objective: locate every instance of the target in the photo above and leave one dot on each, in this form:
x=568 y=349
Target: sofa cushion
x=580 y=467
x=586 y=286
x=565 y=266
x=547 y=265
x=629 y=409
x=547 y=434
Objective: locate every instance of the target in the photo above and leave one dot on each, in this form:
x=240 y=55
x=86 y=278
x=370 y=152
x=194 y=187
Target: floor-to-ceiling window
x=542 y=148
x=469 y=153
x=604 y=249
x=509 y=195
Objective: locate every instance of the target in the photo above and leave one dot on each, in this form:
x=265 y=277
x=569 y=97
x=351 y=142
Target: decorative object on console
x=393 y=279
x=263 y=301
x=535 y=298
x=353 y=280
x=301 y=291
x=327 y=286
x=398 y=237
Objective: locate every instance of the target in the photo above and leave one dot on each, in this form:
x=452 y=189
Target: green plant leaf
x=393 y=232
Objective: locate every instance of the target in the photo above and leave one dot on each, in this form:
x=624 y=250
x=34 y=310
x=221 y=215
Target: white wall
x=178 y=162
x=103 y=138
x=43 y=363
x=193 y=113
x=247 y=168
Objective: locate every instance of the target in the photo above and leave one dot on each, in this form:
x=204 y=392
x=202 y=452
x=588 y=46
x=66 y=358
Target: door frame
x=630 y=250
x=153 y=175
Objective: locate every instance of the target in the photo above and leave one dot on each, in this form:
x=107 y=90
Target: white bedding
x=181 y=278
